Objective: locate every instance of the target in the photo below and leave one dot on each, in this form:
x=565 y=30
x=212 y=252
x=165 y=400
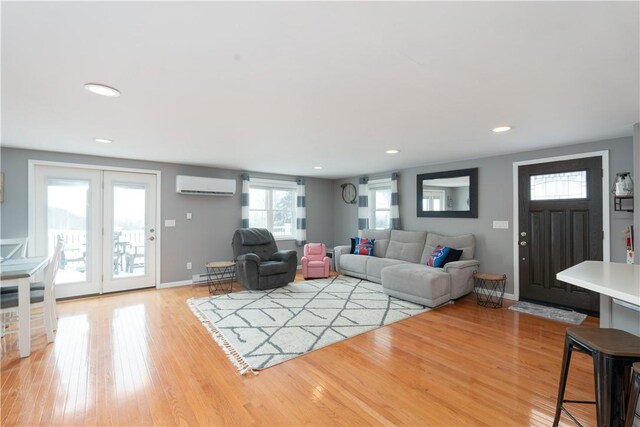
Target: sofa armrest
x=461 y=273
x=460 y=264
x=337 y=251
x=249 y=258
x=291 y=258
x=284 y=256
x=247 y=267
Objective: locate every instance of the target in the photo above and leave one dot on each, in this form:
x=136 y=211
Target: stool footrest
x=590 y=402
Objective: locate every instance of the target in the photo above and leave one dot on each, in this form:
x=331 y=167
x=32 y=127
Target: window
x=380 y=205
x=272 y=205
x=554 y=186
x=433 y=200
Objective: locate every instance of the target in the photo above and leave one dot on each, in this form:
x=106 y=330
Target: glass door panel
x=128 y=230
x=67 y=219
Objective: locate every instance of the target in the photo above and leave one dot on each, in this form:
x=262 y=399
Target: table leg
x=24 y=313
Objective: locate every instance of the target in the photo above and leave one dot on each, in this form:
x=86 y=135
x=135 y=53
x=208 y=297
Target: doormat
x=552 y=313
x=258 y=329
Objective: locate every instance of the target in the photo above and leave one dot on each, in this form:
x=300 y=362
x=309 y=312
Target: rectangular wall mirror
x=449 y=194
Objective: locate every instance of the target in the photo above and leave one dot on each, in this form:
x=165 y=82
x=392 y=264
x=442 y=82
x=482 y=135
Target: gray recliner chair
x=259 y=264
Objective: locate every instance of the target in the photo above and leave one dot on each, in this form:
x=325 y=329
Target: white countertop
x=621 y=281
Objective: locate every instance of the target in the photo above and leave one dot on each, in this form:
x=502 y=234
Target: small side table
x=489 y=289
x=219 y=275
x=330 y=255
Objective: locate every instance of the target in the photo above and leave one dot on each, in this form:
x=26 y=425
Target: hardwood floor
x=142 y=358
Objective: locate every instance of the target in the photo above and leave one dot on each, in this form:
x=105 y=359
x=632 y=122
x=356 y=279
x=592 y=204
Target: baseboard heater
x=204 y=278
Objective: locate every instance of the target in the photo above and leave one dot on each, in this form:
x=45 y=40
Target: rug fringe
x=236 y=358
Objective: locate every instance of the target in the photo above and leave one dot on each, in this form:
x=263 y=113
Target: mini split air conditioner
x=205 y=186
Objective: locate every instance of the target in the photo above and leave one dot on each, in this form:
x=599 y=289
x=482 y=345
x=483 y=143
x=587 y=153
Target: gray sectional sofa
x=399 y=263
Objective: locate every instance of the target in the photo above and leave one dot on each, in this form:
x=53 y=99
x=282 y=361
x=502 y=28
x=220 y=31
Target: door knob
x=152 y=238
x=523 y=243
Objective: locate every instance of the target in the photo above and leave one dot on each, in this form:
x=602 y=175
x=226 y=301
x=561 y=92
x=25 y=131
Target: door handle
x=523 y=243
x=152 y=238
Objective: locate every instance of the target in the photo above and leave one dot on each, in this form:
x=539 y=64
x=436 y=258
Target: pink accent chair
x=315 y=262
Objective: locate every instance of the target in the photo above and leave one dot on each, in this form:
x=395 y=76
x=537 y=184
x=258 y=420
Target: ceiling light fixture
x=501 y=129
x=104 y=141
x=100 y=89
x=392 y=151
x=317 y=167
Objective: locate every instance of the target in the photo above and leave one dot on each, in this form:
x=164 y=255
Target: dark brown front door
x=560 y=215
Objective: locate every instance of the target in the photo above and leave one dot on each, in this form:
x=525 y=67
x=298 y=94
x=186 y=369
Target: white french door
x=68 y=204
x=108 y=221
x=129 y=243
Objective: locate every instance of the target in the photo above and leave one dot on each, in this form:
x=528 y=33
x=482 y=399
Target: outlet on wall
x=189 y=265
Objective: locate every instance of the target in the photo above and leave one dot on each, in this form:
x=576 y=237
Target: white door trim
x=31 y=199
x=606 y=224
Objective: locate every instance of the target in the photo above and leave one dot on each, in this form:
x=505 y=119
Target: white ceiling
x=283 y=87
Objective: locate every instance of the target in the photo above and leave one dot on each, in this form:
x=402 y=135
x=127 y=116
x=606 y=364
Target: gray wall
x=204 y=238
x=460 y=198
x=494 y=247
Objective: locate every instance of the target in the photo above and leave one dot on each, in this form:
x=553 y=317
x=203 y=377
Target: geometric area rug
x=557 y=314
x=259 y=329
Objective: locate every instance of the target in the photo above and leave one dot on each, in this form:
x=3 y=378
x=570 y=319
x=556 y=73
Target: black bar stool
x=613 y=352
x=634 y=394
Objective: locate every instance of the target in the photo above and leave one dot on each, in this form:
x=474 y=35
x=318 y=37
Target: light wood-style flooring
x=142 y=358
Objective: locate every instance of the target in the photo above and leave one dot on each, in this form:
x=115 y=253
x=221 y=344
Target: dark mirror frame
x=473 y=194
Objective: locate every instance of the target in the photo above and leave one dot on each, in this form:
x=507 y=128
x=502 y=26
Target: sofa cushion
x=269 y=268
x=364 y=246
x=417 y=283
x=354 y=263
x=381 y=238
x=375 y=266
x=406 y=245
x=255 y=236
x=466 y=242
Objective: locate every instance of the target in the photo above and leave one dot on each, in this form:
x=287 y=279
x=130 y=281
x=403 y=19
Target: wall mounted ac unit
x=205 y=186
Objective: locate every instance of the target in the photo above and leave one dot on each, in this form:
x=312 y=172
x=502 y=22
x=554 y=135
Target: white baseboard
x=175 y=284
x=511 y=297
x=508 y=296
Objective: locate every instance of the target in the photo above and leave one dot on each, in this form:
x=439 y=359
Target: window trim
x=274 y=184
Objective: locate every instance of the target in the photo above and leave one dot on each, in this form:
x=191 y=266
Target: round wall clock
x=349 y=193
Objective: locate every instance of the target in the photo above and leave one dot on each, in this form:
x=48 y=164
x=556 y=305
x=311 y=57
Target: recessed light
x=104 y=141
x=392 y=151
x=501 y=129
x=103 y=90
x=317 y=167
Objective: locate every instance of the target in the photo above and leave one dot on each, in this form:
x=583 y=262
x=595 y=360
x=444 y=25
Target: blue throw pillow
x=363 y=246
x=438 y=256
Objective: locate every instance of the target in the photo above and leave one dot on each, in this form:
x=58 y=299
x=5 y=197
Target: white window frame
x=272 y=184
x=443 y=200
x=378 y=185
